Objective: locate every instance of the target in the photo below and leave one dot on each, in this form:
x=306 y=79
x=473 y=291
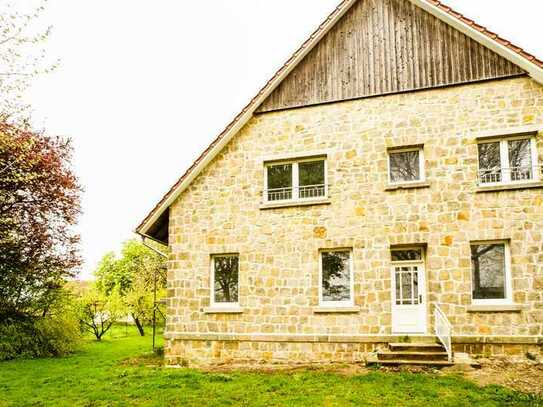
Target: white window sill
x=412 y=185
x=509 y=186
x=298 y=202
x=495 y=308
x=223 y=310
x=335 y=310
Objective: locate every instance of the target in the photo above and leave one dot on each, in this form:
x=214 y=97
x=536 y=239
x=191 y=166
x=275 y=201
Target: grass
x=113 y=373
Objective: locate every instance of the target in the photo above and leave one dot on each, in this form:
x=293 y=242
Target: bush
x=38 y=337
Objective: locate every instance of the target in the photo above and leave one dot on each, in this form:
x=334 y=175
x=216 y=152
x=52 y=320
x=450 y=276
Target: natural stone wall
x=197 y=353
x=278 y=248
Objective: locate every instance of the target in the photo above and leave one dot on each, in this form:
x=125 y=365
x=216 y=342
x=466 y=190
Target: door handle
x=420 y=298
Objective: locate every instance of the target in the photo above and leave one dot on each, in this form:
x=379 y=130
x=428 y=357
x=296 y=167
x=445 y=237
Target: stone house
x=385 y=183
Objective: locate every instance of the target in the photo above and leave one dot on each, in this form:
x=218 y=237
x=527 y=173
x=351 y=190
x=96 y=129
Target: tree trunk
x=139 y=325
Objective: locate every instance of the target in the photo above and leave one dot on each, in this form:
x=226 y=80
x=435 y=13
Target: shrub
x=38 y=337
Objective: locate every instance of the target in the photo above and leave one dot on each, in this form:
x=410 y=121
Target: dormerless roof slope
x=532 y=65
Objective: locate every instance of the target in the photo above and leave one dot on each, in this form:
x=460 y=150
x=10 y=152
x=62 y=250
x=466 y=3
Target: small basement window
x=225 y=280
x=509 y=160
x=491 y=273
x=295 y=180
x=336 y=283
x=406 y=165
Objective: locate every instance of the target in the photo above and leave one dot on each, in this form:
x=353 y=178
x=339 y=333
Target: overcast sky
x=145 y=85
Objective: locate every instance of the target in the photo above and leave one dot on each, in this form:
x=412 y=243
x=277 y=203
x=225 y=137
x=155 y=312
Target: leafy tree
x=39 y=205
x=98 y=312
x=138 y=301
x=22 y=54
x=133 y=275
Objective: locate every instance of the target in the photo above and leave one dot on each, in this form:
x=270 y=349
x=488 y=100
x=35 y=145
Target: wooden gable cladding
x=386 y=46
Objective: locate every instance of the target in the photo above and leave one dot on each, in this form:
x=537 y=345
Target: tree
x=39 y=205
x=98 y=312
x=138 y=301
x=133 y=275
x=22 y=54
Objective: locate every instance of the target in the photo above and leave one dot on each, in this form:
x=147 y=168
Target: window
x=508 y=160
x=336 y=278
x=491 y=273
x=280 y=182
x=408 y=278
x=406 y=165
x=297 y=180
x=224 y=280
x=406 y=254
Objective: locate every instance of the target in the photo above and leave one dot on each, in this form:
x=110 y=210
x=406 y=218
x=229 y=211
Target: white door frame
x=418 y=311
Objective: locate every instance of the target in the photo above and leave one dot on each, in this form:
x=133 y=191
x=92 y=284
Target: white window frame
x=422 y=166
x=337 y=304
x=505 y=161
x=295 y=179
x=508 y=283
x=213 y=303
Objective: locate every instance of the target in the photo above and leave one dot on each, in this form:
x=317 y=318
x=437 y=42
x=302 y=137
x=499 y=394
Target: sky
x=145 y=85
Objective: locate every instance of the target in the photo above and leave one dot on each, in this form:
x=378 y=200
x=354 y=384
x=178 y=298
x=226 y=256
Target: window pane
x=407 y=287
x=415 y=285
x=489 y=162
x=226 y=279
x=488 y=263
x=311 y=178
x=398 y=279
x=520 y=159
x=279 y=182
x=405 y=166
x=311 y=173
x=336 y=276
x=406 y=255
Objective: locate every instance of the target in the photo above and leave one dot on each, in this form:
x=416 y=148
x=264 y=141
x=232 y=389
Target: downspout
x=144 y=242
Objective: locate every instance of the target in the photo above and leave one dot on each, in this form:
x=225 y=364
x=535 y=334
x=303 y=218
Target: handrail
x=443 y=330
x=294 y=193
x=496 y=175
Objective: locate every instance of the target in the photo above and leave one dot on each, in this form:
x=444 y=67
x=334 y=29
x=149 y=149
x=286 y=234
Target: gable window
x=225 y=280
x=336 y=278
x=406 y=165
x=296 y=180
x=491 y=275
x=508 y=160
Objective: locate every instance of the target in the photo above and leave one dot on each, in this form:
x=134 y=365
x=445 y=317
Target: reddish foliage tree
x=39 y=205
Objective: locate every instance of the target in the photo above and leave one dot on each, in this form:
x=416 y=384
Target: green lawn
x=100 y=375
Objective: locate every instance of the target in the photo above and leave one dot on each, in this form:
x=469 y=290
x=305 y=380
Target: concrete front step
x=413 y=346
x=412 y=362
x=412 y=355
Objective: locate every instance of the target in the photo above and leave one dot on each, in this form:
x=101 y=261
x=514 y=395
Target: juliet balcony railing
x=498 y=175
x=443 y=330
x=296 y=193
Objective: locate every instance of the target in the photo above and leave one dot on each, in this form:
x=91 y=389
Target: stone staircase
x=427 y=354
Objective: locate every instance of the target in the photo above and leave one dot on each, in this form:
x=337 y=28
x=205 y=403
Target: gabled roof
x=513 y=53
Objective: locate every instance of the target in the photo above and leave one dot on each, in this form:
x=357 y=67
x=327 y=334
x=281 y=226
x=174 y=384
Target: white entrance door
x=408 y=298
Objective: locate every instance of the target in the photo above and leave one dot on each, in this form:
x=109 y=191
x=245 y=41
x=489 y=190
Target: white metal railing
x=301 y=192
x=443 y=330
x=514 y=174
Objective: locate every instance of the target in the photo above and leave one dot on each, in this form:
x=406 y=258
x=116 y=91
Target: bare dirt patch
x=525 y=377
